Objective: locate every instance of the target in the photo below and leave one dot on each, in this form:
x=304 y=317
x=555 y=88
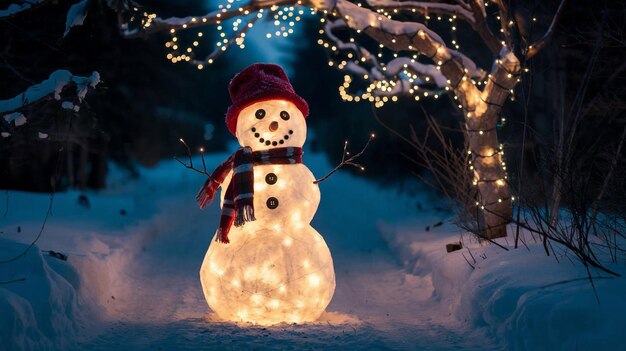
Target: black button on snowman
x=276 y=268
x=272 y=203
x=271 y=178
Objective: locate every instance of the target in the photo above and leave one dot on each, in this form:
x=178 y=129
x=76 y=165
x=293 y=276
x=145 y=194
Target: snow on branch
x=341 y=45
x=74 y=18
x=451 y=70
x=15 y=9
x=358 y=18
x=361 y=18
x=76 y=15
x=400 y=64
x=422 y=60
x=399 y=76
x=56 y=83
x=383 y=82
x=417 y=37
x=425 y=7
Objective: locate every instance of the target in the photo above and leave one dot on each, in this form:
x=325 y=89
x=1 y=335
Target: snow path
x=156 y=300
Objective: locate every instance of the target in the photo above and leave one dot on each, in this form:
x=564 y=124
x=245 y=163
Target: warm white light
x=278 y=268
x=287 y=242
x=256 y=298
x=314 y=280
x=274 y=303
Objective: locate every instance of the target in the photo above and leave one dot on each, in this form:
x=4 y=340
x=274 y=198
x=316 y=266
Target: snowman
x=267 y=265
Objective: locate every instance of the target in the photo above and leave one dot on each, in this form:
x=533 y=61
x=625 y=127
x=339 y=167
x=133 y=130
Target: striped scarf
x=238 y=206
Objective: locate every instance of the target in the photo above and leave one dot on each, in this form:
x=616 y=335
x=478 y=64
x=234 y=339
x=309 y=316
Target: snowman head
x=270 y=124
x=266 y=112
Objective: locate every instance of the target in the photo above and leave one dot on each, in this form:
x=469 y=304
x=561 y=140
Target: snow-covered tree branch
x=18 y=8
x=75 y=15
x=58 y=82
x=416 y=58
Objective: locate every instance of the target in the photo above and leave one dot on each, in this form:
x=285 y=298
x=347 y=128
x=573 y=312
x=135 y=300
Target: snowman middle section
x=279 y=268
x=284 y=195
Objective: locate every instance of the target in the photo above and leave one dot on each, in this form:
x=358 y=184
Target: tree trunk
x=481 y=108
x=494 y=198
x=482 y=115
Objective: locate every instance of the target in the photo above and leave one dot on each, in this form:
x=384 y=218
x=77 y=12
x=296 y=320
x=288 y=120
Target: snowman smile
x=271 y=142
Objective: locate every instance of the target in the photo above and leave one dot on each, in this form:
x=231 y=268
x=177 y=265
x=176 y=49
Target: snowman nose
x=273 y=126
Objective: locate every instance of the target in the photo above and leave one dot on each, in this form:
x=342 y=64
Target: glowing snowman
x=277 y=268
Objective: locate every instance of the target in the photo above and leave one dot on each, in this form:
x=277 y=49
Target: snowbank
x=37 y=299
x=525 y=299
x=50 y=303
x=54 y=302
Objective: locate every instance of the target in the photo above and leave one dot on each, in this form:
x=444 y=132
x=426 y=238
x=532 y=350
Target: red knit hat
x=260 y=82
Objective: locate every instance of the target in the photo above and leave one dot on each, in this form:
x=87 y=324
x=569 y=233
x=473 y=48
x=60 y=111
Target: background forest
x=145 y=103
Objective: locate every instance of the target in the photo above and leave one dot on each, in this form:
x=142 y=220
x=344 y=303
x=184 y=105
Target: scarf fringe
x=221 y=236
x=241 y=185
x=245 y=214
x=207 y=192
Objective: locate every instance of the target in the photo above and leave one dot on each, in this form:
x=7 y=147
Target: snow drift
x=525 y=299
x=38 y=300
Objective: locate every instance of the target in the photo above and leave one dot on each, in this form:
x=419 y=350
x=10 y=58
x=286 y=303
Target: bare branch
x=348 y=161
x=468 y=262
x=480 y=26
x=608 y=177
x=43 y=225
x=504 y=21
x=534 y=48
x=190 y=165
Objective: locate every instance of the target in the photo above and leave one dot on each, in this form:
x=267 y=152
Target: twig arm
x=347 y=161
x=190 y=165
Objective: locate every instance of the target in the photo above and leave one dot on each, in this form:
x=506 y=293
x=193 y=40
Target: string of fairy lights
x=386 y=86
x=376 y=84
x=381 y=91
x=233 y=32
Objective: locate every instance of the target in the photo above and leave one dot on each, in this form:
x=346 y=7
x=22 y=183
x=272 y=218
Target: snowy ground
x=131 y=279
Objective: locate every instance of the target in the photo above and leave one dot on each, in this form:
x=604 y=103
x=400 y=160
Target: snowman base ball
x=271 y=266
x=266 y=283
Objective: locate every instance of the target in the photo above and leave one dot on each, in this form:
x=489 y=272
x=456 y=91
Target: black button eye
x=284 y=115
x=260 y=113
